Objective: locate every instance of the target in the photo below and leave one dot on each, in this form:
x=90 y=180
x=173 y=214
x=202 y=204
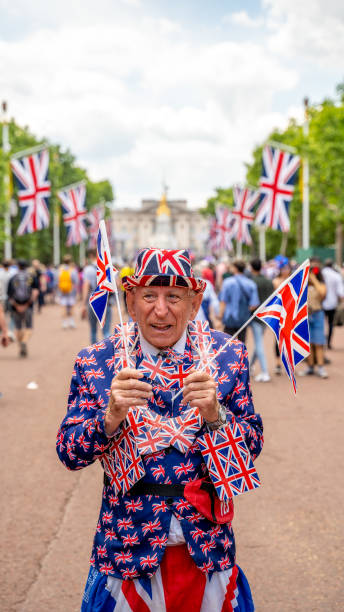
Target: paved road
x=289 y=532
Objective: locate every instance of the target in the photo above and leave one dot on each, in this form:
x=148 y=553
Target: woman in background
x=316 y=319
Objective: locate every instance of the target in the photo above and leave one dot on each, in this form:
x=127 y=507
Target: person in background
x=51 y=282
x=221 y=271
x=7 y=270
x=208 y=271
x=334 y=294
x=22 y=292
x=38 y=271
x=4 y=280
x=88 y=286
x=67 y=286
x=238 y=299
x=265 y=288
x=5 y=339
x=284 y=270
x=316 y=321
x=210 y=306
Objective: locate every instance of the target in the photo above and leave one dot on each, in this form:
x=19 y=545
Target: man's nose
x=161 y=306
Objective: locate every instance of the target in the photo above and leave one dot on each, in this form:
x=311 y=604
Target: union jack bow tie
x=171 y=355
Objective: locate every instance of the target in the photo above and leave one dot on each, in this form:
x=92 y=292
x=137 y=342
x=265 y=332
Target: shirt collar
x=146 y=347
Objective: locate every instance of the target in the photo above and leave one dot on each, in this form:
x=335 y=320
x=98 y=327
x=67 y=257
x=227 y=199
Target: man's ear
x=131 y=304
x=196 y=302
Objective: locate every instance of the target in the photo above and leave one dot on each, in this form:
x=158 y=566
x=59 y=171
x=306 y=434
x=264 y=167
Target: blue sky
x=146 y=90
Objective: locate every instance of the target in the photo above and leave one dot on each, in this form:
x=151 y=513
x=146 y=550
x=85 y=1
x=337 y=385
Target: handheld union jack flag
x=245 y=201
x=228 y=461
x=72 y=199
x=94 y=217
x=31 y=174
x=276 y=188
x=106 y=282
x=286 y=313
x=220 y=236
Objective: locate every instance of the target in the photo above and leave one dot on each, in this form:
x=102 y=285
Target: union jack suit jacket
x=165 y=442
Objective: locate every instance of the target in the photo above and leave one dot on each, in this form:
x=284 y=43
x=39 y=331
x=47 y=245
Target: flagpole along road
x=289 y=533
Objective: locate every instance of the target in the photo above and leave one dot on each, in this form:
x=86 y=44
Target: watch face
x=222 y=414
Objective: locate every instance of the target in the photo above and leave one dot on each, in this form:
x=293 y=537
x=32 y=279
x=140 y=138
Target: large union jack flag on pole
x=276 y=188
x=243 y=213
x=31 y=174
x=72 y=199
x=220 y=234
x=94 y=218
x=286 y=313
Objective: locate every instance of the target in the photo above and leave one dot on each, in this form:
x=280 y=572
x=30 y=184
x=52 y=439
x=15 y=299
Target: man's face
x=162 y=313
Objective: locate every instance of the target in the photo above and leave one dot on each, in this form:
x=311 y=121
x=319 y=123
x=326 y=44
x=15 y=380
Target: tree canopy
x=63 y=170
x=324 y=148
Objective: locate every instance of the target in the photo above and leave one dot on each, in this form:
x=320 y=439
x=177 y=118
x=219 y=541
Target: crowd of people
x=167 y=526
x=234 y=289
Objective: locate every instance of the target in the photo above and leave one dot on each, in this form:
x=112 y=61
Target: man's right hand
x=126 y=390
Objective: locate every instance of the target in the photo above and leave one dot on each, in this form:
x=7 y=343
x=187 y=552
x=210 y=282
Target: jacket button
x=169 y=501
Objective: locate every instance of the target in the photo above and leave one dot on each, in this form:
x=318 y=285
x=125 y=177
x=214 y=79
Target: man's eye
x=149 y=297
x=173 y=298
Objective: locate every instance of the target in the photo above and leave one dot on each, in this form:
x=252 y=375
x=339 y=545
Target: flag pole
x=56 y=236
x=7 y=215
x=82 y=253
x=305 y=190
x=260 y=307
x=72 y=185
x=102 y=228
x=29 y=151
x=239 y=249
x=262 y=243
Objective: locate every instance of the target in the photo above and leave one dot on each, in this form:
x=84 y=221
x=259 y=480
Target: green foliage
x=326 y=153
x=63 y=171
x=223 y=197
x=324 y=148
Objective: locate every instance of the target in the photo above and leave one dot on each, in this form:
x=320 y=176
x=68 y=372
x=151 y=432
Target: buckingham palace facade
x=161 y=223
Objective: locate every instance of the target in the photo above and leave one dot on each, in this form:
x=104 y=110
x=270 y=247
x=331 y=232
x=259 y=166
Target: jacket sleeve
x=229 y=451
x=81 y=438
x=239 y=403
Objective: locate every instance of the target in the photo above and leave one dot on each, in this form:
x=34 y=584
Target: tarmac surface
x=289 y=533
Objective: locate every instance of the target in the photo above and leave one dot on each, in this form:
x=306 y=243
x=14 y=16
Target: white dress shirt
x=175 y=536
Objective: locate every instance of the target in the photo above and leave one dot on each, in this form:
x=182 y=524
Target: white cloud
x=242 y=18
x=137 y=98
x=307 y=31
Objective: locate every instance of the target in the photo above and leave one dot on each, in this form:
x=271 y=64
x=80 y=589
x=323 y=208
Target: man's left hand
x=200 y=391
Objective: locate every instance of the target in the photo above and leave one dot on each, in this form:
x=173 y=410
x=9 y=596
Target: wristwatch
x=220 y=421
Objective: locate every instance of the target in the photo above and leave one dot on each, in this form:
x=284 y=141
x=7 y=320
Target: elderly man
x=164 y=539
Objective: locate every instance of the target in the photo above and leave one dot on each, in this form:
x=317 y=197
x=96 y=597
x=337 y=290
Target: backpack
x=22 y=287
x=65 y=280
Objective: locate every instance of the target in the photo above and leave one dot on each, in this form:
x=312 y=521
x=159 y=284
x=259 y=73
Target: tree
x=324 y=148
x=62 y=171
x=326 y=155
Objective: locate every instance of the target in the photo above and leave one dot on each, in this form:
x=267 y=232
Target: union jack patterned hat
x=164 y=268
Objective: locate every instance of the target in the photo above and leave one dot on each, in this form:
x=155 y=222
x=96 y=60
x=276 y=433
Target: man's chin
x=162 y=338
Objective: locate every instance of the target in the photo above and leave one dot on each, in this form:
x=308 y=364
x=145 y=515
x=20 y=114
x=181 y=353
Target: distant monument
x=163 y=236
x=162 y=223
